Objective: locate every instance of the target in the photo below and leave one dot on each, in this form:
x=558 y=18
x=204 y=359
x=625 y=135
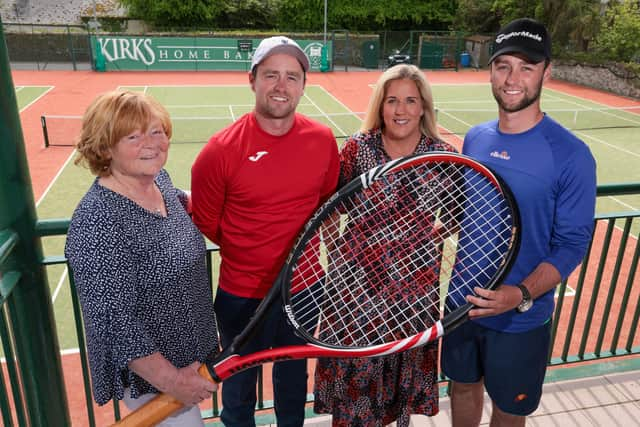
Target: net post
x=45 y=132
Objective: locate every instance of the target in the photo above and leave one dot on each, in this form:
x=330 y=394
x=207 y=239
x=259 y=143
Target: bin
x=465 y=59
x=370 y=54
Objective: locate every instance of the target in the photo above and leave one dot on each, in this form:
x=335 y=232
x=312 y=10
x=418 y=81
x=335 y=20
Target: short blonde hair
x=109 y=118
x=373 y=118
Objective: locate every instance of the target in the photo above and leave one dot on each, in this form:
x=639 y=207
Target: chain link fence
x=44 y=47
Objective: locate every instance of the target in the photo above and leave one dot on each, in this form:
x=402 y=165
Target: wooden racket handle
x=158 y=408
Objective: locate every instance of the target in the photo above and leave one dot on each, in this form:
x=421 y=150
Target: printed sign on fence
x=186 y=53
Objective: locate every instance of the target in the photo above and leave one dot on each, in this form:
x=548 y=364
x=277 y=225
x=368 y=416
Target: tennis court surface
x=51 y=104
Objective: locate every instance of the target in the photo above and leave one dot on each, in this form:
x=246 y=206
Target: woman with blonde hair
x=138 y=262
x=371 y=392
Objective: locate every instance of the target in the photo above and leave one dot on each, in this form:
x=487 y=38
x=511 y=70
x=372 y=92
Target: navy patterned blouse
x=142 y=283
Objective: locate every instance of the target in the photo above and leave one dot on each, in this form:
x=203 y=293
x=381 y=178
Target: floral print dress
x=372 y=392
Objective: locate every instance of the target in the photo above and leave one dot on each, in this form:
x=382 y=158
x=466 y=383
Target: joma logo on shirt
x=257 y=156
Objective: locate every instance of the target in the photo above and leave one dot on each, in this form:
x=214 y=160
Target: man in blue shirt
x=552 y=175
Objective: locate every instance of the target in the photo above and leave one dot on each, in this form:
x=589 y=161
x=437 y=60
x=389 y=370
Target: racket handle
x=158 y=408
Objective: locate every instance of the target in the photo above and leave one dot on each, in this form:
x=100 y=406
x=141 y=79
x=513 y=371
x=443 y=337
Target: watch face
x=526 y=302
x=525 y=305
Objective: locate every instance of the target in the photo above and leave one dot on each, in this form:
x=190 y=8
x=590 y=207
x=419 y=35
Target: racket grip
x=158 y=408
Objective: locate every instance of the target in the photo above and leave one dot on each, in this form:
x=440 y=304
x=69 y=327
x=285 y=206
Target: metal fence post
x=30 y=308
x=72 y=51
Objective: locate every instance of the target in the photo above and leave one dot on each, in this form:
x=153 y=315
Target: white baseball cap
x=279 y=44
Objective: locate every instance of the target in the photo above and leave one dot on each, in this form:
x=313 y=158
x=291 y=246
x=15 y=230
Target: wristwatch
x=526 y=302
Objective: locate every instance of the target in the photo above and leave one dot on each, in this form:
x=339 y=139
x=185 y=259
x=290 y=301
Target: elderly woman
x=400 y=121
x=139 y=262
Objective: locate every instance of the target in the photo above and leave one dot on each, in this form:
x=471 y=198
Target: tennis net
x=60 y=130
x=63 y=130
x=458 y=121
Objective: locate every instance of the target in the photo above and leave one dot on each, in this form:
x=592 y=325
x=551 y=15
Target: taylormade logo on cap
x=279 y=44
x=502 y=37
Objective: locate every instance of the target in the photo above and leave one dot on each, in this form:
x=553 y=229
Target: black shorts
x=512 y=365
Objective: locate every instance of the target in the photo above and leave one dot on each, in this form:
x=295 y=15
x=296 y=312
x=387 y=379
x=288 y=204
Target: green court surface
x=611 y=133
x=26 y=95
x=199 y=111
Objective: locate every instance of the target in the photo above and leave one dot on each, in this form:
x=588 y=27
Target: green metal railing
x=27 y=327
x=601 y=300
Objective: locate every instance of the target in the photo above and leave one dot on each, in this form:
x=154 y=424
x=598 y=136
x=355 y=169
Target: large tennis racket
x=383 y=266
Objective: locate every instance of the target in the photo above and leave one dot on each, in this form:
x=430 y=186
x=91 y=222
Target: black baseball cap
x=526 y=36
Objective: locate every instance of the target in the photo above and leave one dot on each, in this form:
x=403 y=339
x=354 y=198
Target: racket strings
x=387 y=251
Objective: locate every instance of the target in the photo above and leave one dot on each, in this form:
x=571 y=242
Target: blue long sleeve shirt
x=553 y=177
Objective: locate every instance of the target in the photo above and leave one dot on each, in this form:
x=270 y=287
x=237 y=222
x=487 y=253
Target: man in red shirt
x=254 y=185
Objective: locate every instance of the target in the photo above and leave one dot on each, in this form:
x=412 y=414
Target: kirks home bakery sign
x=185 y=53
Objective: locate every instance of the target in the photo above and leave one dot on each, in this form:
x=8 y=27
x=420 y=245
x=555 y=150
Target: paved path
x=610 y=400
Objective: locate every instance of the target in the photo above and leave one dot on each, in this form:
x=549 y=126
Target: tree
x=259 y=14
x=571 y=23
x=355 y=15
x=508 y=10
x=180 y=13
x=619 y=38
x=477 y=16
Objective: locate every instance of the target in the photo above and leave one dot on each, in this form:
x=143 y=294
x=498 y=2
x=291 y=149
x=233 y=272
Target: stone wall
x=611 y=77
x=60 y=12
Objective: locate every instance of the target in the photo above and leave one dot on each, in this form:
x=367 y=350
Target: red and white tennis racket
x=366 y=276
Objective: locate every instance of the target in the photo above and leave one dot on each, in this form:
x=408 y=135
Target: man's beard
x=277 y=112
x=524 y=103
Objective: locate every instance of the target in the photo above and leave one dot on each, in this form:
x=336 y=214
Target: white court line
x=55 y=178
x=600 y=141
x=325 y=115
x=586 y=108
x=626 y=205
x=360 y=118
x=340 y=102
x=470 y=126
x=580 y=98
x=489 y=102
x=455 y=118
x=460 y=84
x=593 y=138
x=583 y=135
x=191 y=85
x=179 y=106
x=209 y=85
x=233 y=116
x=18 y=88
x=568 y=291
x=59 y=285
x=46 y=191
x=38 y=98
